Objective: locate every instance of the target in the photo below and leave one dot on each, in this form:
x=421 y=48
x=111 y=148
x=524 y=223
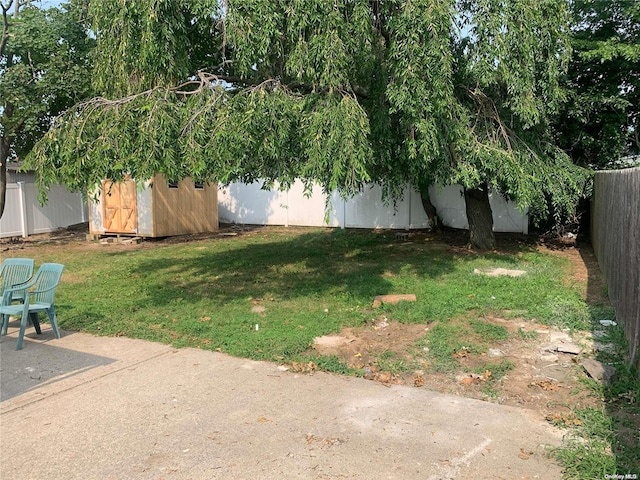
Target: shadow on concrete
x=40 y=362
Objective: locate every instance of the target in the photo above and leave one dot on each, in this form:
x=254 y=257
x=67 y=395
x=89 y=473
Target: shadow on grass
x=296 y=286
x=312 y=264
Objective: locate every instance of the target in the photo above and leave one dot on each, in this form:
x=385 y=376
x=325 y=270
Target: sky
x=48 y=3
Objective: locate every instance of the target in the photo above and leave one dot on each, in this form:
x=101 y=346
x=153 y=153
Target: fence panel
x=24 y=216
x=615 y=235
x=248 y=204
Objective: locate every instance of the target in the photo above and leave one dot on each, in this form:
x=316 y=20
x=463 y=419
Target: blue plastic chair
x=14 y=272
x=39 y=296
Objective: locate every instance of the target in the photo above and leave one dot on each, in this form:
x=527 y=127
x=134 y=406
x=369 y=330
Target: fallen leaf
x=525 y=454
x=563 y=419
x=547 y=385
x=471 y=378
x=301 y=367
x=387 y=378
x=468 y=380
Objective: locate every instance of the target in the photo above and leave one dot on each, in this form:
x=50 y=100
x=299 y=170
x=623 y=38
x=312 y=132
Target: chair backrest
x=47 y=278
x=14 y=271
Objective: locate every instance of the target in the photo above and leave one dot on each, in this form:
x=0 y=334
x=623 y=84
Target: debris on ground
x=499 y=272
x=304 y=367
x=471 y=378
x=599 y=371
x=546 y=385
x=393 y=299
x=608 y=323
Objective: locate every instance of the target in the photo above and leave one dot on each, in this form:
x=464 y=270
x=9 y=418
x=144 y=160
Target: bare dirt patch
x=362 y=347
x=539 y=377
x=75 y=237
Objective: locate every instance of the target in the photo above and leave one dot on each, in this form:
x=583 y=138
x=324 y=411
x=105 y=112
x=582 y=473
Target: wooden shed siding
x=163 y=212
x=184 y=209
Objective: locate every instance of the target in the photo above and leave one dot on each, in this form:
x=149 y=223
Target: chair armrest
x=22 y=285
x=7 y=297
x=34 y=292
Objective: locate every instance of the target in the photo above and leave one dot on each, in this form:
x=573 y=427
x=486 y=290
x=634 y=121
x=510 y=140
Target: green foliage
x=587 y=451
x=149 y=43
x=44 y=69
x=605 y=441
x=340 y=93
x=527 y=335
x=569 y=311
x=391 y=362
x=601 y=119
x=315 y=138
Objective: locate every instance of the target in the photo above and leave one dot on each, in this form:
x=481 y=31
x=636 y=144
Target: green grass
x=201 y=294
x=498 y=371
x=454 y=337
x=389 y=361
x=489 y=332
x=527 y=335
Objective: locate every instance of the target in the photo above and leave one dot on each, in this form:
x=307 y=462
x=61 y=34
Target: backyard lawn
x=296 y=285
x=303 y=297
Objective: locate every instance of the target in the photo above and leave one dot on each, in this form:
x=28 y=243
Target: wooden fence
x=615 y=235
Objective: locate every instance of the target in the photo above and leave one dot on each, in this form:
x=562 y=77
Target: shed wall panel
x=183 y=210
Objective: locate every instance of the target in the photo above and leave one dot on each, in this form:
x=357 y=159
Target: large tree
x=336 y=92
x=601 y=119
x=44 y=69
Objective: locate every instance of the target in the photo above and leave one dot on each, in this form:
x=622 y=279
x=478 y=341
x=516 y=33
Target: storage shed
x=160 y=209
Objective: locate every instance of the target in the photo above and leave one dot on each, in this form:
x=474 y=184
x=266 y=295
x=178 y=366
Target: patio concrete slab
x=85 y=407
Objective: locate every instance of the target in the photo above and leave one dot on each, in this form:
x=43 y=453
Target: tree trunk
x=480 y=218
x=5 y=149
x=4 y=157
x=429 y=209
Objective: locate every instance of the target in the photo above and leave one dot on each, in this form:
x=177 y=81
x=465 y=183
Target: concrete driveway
x=85 y=407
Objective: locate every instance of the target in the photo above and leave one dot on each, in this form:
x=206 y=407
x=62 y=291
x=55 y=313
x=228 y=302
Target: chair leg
x=4 y=324
x=33 y=317
x=23 y=327
x=51 y=312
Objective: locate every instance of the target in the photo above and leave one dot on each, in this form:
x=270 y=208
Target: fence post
x=83 y=208
x=344 y=213
x=23 y=210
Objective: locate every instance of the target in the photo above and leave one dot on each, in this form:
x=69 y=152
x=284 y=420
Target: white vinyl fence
x=248 y=204
x=24 y=216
